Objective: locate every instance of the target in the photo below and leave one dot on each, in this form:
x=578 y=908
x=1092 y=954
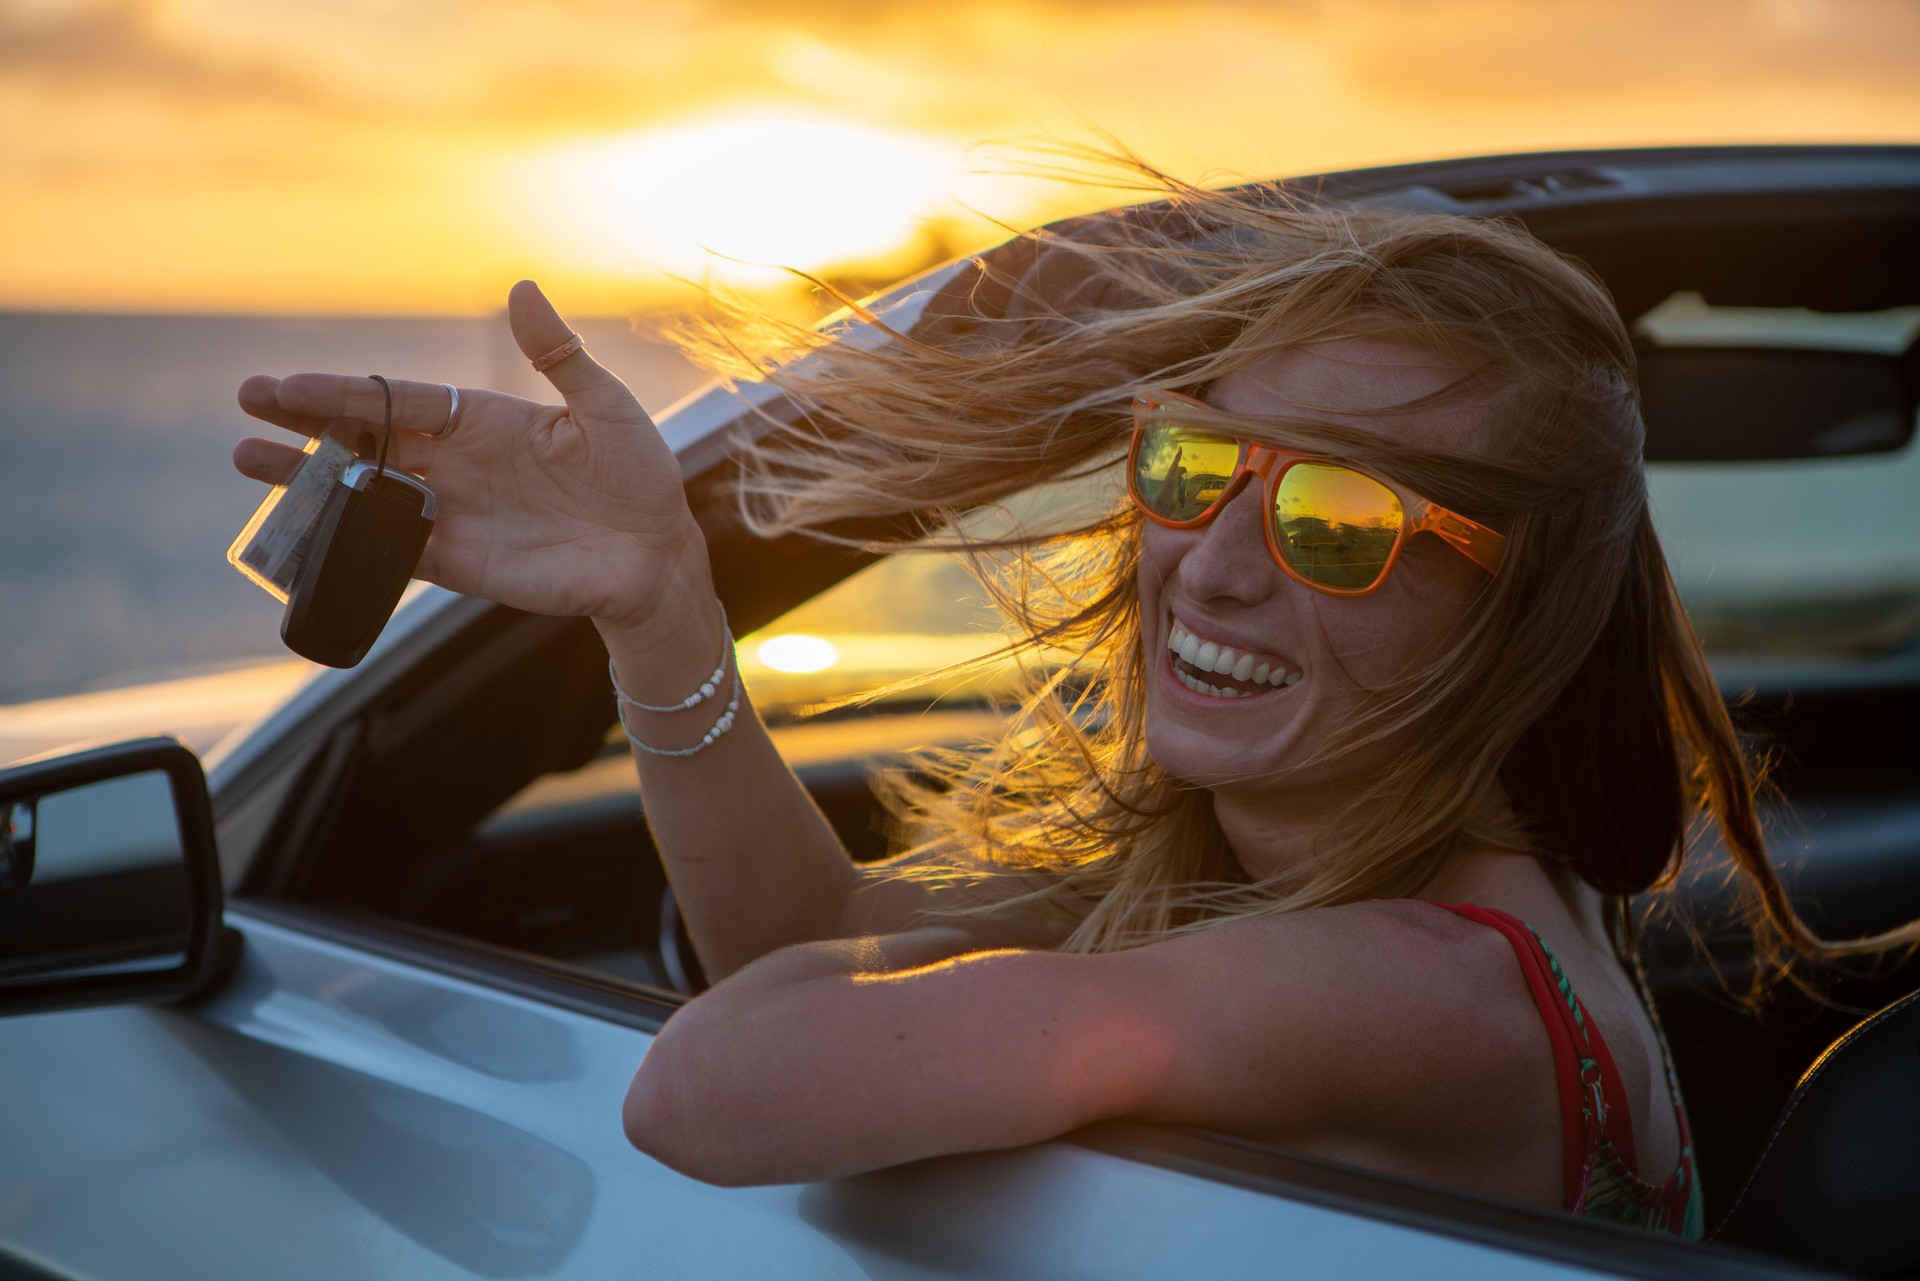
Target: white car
x=366 y=1000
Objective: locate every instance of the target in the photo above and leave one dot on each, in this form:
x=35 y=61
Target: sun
x=738 y=197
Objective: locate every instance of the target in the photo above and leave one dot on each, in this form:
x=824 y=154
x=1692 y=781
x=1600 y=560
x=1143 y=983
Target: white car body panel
x=337 y=1114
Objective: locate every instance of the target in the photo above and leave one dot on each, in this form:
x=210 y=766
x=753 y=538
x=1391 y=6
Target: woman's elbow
x=647 y=1114
x=667 y=1116
x=659 y=1123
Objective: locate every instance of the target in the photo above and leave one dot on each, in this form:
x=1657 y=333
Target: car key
x=361 y=554
x=337 y=544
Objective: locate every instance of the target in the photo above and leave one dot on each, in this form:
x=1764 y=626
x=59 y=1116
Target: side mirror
x=109 y=879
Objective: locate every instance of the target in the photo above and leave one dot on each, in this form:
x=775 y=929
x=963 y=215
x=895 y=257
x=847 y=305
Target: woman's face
x=1322 y=654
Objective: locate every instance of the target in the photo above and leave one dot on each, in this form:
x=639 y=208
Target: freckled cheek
x=1378 y=639
x=1147 y=583
x=1356 y=643
x=1159 y=557
x=1160 y=552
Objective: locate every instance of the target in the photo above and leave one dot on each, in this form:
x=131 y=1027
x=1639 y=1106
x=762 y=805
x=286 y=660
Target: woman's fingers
x=538 y=331
x=310 y=404
x=275 y=462
x=267 y=460
x=310 y=398
x=336 y=404
x=258 y=399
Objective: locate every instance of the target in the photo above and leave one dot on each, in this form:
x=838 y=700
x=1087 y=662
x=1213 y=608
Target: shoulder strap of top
x=1589 y=1085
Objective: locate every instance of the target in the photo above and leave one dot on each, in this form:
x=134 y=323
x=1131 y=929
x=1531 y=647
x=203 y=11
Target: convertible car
x=363 y=997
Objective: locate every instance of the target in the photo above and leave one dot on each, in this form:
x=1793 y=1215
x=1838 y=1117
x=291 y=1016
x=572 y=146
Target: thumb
x=538 y=331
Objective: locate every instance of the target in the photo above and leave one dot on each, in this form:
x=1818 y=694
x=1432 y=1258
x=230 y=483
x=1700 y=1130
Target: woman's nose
x=1230 y=556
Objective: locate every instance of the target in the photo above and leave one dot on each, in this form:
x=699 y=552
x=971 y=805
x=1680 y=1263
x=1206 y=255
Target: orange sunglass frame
x=1419 y=514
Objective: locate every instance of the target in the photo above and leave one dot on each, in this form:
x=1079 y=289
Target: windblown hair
x=1575 y=688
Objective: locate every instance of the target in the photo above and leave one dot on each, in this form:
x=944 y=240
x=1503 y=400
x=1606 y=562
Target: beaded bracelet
x=711 y=737
x=707 y=689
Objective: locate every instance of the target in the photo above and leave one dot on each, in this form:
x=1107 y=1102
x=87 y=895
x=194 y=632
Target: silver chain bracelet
x=711 y=737
x=708 y=688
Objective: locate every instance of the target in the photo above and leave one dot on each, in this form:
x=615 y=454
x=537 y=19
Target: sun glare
x=795 y=652
x=739 y=196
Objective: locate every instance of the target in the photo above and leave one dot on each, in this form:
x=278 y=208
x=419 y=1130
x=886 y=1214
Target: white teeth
x=1182 y=642
x=1202 y=687
x=1211 y=656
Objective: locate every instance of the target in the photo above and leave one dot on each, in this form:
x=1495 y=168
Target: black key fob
x=360 y=554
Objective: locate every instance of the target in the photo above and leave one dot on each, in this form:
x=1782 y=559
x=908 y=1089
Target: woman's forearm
x=754 y=864
x=828 y=1058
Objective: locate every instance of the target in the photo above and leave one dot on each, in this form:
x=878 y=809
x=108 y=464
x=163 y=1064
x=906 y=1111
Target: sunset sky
x=417 y=157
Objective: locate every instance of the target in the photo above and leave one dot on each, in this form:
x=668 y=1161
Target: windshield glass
x=1797 y=561
x=897 y=619
x=1808 y=558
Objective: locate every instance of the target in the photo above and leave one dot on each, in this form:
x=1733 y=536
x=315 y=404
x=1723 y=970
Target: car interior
x=507 y=816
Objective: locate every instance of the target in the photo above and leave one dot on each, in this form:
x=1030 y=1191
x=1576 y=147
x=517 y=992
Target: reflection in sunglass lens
x=1335 y=526
x=1179 y=473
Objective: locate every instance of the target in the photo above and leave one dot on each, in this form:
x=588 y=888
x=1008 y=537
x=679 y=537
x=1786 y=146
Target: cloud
x=522 y=64
x=121 y=46
x=1522 y=49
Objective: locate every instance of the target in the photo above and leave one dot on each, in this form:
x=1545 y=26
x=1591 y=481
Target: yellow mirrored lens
x=1335 y=526
x=1178 y=473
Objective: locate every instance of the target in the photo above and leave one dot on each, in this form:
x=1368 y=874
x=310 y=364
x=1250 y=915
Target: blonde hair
x=1575 y=687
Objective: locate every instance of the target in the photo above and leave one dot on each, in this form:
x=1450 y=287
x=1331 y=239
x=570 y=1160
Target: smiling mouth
x=1220 y=671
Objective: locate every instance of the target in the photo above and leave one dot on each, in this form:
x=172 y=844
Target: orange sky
x=384 y=156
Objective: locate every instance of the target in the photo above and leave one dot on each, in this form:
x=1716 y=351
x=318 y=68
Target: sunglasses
x=1335 y=528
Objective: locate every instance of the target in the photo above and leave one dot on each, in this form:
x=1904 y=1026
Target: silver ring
x=453 y=410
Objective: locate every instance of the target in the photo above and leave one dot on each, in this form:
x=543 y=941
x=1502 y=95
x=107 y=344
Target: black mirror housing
x=109 y=879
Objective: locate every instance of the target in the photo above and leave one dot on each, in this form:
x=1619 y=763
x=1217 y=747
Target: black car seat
x=1838 y=1180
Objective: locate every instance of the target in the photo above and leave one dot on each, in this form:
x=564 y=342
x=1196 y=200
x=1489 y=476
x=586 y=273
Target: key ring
x=386 y=428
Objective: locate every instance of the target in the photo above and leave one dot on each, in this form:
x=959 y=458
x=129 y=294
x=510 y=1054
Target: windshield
x=1798 y=561
x=1808 y=558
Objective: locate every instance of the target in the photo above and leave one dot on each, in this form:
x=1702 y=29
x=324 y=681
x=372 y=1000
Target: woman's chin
x=1213 y=742
x=1201 y=759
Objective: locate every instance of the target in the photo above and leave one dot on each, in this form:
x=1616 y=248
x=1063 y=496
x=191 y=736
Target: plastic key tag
x=269 y=550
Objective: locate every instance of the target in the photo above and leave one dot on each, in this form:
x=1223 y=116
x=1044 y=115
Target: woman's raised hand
x=574 y=510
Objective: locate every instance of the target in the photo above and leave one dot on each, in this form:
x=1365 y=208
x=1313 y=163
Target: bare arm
x=1341 y=1028
x=754 y=864
x=835 y=1057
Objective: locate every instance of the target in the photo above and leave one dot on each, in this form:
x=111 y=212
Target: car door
x=356 y=1101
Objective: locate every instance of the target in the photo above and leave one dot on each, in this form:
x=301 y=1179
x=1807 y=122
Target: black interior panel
x=1845 y=832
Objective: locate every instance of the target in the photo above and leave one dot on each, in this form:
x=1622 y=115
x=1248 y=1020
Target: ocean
x=117 y=496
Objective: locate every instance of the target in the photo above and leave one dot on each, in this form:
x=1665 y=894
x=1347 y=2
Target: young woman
x=1372 y=704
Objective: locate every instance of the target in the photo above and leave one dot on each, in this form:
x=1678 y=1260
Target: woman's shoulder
x=1389 y=945
x=1391 y=1032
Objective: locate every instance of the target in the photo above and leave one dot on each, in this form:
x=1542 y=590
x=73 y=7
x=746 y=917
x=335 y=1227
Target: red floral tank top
x=1601 y=1170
